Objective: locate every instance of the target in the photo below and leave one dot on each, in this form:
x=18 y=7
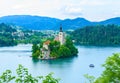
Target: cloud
x=72 y=10
x=90 y=9
x=92 y=2
x=77 y=8
x=19 y=6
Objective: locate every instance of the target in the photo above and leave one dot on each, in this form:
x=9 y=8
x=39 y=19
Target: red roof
x=47 y=42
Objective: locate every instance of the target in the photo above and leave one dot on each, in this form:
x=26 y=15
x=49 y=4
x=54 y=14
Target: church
x=60 y=37
x=45 y=49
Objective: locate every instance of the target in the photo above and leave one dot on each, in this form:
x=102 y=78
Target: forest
x=99 y=35
x=6 y=37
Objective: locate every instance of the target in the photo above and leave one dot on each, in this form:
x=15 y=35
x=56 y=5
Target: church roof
x=47 y=42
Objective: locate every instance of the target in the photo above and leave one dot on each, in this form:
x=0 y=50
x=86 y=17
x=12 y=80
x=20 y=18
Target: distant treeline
x=103 y=35
x=6 y=38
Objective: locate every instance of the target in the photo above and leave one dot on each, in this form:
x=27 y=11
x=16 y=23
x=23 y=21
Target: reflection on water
x=55 y=61
x=70 y=70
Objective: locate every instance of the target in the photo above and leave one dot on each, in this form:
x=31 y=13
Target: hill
x=104 y=35
x=48 y=23
x=74 y=23
x=6 y=37
x=31 y=22
x=111 y=21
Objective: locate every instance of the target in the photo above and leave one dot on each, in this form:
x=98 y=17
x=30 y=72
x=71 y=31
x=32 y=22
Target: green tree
x=69 y=44
x=35 y=51
x=6 y=37
x=36 y=54
x=89 y=78
x=34 y=48
x=54 y=45
x=56 y=50
x=49 y=79
x=23 y=76
x=64 y=51
x=111 y=74
x=103 y=35
x=6 y=77
x=54 y=54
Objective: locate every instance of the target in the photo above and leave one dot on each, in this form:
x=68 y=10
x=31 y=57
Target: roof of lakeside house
x=47 y=42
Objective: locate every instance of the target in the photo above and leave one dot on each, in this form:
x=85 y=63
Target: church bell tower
x=61 y=36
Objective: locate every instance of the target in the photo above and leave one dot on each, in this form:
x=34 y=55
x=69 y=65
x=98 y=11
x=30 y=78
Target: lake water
x=70 y=70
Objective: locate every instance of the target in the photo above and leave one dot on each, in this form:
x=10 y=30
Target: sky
x=93 y=10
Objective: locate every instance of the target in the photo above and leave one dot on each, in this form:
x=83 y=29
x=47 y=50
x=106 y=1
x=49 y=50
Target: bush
x=23 y=76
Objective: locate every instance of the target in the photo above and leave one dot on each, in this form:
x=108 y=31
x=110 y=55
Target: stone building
x=46 y=51
x=60 y=37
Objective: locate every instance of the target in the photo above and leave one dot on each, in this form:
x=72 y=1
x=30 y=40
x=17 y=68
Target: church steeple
x=61 y=28
x=61 y=36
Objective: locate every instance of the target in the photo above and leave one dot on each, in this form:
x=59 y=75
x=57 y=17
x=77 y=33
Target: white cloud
x=92 y=2
x=117 y=13
x=73 y=10
x=19 y=6
x=90 y=9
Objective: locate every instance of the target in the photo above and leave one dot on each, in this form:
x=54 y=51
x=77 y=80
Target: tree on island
x=59 y=47
x=69 y=44
x=35 y=51
x=56 y=50
x=64 y=51
x=54 y=47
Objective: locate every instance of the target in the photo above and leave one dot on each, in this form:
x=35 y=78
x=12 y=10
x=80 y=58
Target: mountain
x=31 y=22
x=111 y=21
x=75 y=23
x=48 y=23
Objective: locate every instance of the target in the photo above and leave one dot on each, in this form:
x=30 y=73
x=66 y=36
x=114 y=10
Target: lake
x=69 y=70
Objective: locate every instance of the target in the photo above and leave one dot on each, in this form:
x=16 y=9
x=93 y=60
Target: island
x=58 y=47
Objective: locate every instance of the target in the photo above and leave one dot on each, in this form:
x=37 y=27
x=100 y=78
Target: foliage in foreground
x=89 y=78
x=23 y=76
x=111 y=74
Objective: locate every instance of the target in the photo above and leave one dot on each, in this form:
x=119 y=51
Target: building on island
x=45 y=49
x=60 y=37
x=46 y=44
